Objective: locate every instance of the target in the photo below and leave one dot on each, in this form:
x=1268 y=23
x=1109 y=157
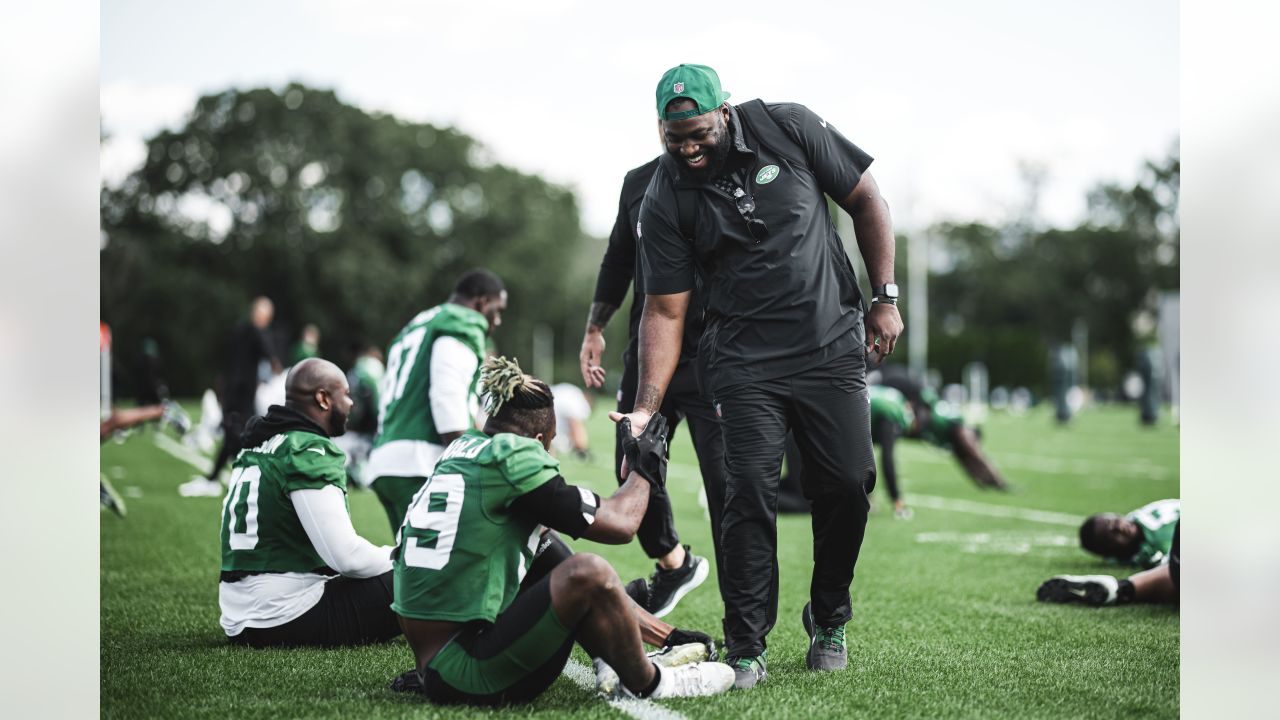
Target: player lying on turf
x=294 y=571
x=1141 y=538
x=1157 y=585
x=469 y=535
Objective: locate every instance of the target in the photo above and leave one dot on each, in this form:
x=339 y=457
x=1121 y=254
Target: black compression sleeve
x=560 y=506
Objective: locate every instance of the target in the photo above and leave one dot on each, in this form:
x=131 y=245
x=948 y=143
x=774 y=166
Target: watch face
x=891 y=290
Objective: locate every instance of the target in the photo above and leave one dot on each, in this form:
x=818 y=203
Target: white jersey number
x=431 y=525
x=400 y=360
x=242 y=498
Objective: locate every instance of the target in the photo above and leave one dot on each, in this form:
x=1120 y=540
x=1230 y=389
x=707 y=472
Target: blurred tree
x=1005 y=294
x=351 y=220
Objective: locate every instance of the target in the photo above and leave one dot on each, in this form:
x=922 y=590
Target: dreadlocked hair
x=515 y=401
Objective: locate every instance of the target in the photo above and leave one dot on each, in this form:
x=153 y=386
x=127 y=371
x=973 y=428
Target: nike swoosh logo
x=1077 y=593
x=823 y=123
x=318 y=451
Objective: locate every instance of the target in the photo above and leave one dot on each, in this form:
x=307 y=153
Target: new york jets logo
x=767 y=174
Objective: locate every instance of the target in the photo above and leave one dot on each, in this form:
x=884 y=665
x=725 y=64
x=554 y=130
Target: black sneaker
x=826 y=644
x=638 y=591
x=1095 y=590
x=747 y=671
x=666 y=587
x=408 y=681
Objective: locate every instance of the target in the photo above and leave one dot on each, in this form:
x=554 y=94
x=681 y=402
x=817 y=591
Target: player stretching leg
x=469 y=535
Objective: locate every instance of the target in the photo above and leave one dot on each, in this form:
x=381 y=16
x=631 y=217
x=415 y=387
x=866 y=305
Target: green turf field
x=945 y=618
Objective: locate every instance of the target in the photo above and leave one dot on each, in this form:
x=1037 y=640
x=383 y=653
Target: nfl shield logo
x=679 y=87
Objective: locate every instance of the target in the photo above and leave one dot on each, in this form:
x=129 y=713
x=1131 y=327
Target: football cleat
x=668 y=657
x=694 y=680
x=666 y=587
x=826 y=644
x=1096 y=590
x=201 y=486
x=175 y=417
x=408 y=681
x=109 y=498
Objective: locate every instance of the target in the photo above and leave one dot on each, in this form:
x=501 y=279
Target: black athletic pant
x=657 y=531
x=234 y=418
x=827 y=410
x=351 y=612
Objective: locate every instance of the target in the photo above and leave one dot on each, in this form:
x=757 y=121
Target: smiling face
x=699 y=144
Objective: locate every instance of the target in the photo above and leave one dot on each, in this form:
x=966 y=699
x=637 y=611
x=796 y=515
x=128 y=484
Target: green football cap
x=698 y=83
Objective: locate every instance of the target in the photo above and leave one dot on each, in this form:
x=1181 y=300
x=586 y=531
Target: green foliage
x=1009 y=293
x=351 y=220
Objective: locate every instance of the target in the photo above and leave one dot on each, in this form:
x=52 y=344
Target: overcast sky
x=950 y=98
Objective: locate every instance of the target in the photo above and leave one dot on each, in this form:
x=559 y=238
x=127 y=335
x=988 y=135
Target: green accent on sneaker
x=831 y=638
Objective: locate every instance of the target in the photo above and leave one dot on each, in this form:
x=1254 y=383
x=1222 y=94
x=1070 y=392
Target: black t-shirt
x=788 y=301
x=622 y=257
x=247 y=346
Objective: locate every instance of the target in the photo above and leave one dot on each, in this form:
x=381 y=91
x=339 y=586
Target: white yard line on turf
x=934 y=502
x=1063 y=466
x=183 y=453
x=584 y=678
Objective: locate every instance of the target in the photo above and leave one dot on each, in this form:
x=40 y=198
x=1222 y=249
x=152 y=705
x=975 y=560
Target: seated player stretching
x=470 y=535
x=294 y=571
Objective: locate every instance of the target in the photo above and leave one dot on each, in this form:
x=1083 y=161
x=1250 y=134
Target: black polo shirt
x=786 y=300
x=621 y=259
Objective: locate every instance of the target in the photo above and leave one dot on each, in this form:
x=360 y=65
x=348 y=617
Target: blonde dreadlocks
x=515 y=401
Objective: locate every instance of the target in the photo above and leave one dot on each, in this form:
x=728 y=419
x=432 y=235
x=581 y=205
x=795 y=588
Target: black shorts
x=512 y=660
x=351 y=612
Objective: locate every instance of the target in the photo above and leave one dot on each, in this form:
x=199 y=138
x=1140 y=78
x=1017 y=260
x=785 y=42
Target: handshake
x=646 y=453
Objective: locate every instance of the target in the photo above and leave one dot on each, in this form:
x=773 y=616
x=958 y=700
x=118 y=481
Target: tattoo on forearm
x=600 y=314
x=649 y=398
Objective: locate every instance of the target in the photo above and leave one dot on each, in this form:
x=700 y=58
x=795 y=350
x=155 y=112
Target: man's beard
x=716 y=154
x=337 y=423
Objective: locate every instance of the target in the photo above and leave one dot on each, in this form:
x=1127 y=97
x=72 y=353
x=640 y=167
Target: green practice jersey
x=404 y=411
x=462 y=553
x=943 y=419
x=1157 y=521
x=890 y=404
x=260 y=529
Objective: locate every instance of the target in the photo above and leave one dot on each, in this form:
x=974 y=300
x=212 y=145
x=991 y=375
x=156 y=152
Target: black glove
x=684 y=637
x=646 y=454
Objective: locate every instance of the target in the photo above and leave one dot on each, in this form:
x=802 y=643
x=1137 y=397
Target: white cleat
x=668 y=657
x=200 y=486
x=694 y=680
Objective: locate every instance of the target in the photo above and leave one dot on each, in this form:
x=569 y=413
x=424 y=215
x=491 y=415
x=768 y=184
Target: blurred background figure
x=248 y=345
x=1064 y=361
x=1143 y=537
x=364 y=377
x=308 y=345
x=150 y=385
x=1151 y=371
x=573 y=409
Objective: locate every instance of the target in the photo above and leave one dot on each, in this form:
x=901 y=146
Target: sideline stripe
x=183 y=453
x=584 y=678
x=934 y=502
